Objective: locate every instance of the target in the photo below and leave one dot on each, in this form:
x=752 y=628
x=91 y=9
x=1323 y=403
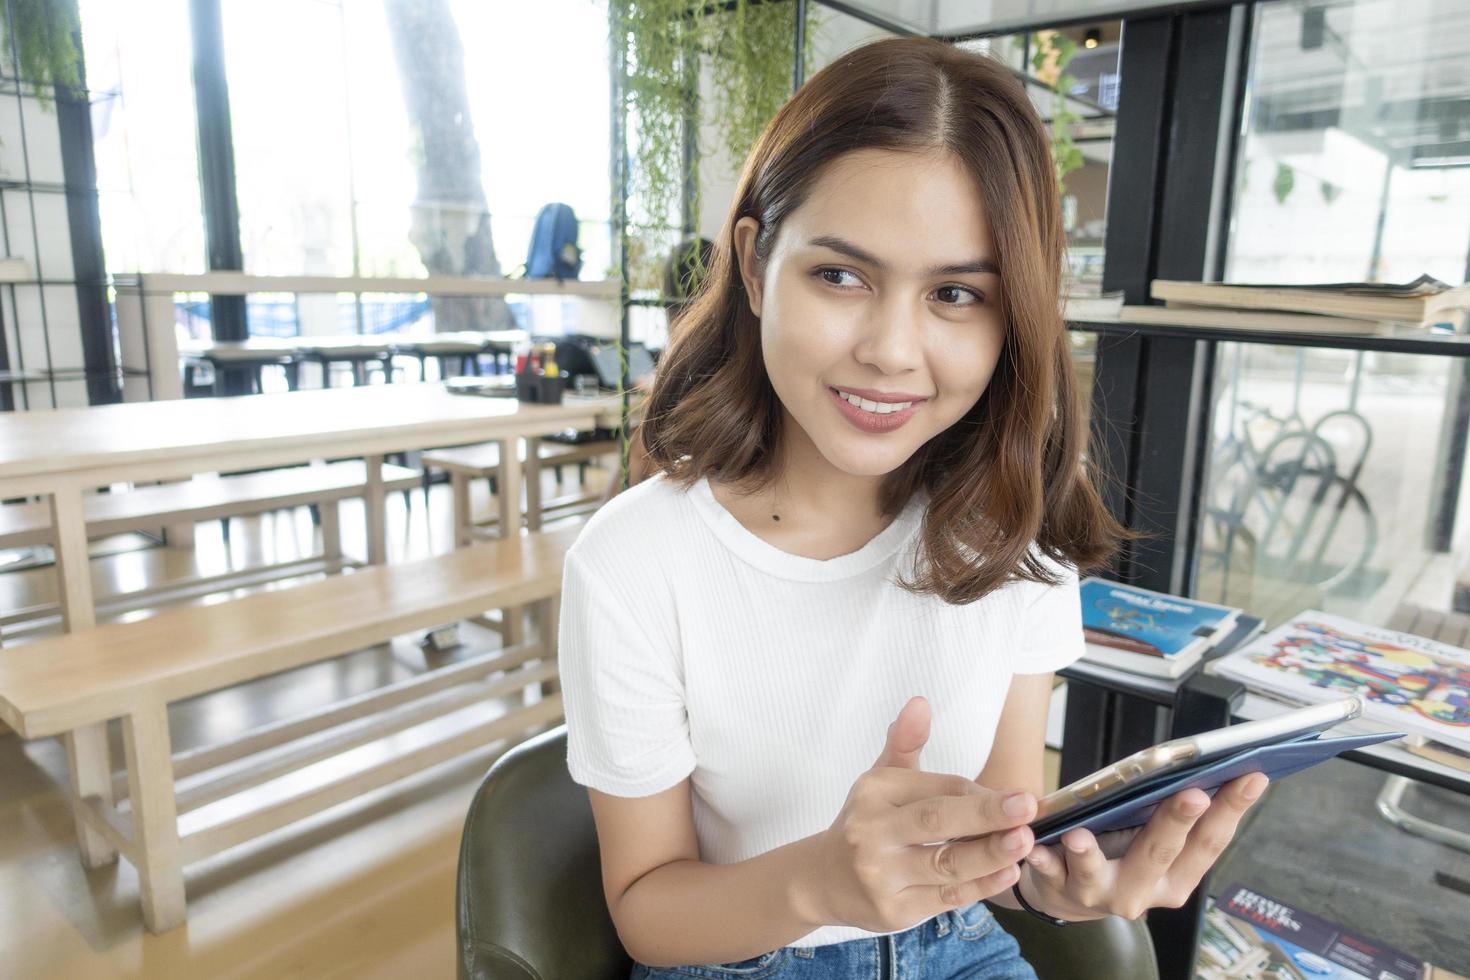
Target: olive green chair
x=531 y=907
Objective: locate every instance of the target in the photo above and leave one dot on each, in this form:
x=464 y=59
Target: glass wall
x=1354 y=156
x=1329 y=470
x=348 y=164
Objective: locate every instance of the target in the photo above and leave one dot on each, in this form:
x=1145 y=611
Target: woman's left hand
x=1127 y=872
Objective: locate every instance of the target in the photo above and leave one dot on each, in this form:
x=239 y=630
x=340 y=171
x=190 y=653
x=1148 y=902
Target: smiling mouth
x=870 y=406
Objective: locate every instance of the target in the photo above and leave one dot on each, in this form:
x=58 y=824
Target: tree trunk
x=450 y=223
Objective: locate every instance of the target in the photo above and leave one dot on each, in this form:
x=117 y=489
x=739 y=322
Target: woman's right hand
x=890 y=861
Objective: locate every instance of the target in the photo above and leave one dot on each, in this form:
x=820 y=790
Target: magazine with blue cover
x=1248 y=935
x=1148 y=622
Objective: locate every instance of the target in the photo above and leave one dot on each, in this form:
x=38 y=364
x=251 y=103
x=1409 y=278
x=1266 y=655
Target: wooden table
x=63 y=453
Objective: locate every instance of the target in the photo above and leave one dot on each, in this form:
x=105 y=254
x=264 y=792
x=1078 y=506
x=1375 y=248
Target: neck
x=808 y=485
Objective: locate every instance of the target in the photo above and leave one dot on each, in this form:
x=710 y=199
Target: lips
x=871 y=422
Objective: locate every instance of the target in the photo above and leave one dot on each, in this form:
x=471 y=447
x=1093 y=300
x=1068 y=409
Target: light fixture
x=1092 y=38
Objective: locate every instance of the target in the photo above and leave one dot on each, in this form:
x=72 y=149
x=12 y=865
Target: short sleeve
x=1051 y=624
x=623 y=693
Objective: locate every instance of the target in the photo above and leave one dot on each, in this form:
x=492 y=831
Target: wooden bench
x=466 y=463
x=203 y=498
x=72 y=685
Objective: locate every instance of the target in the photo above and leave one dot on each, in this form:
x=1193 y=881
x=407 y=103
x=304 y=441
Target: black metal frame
x=217 y=178
x=99 y=368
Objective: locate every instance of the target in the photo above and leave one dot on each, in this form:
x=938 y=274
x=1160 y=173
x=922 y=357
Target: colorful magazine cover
x=1148 y=622
x=1250 y=936
x=1410 y=682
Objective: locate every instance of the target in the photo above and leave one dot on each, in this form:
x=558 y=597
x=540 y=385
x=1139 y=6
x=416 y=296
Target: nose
x=890 y=338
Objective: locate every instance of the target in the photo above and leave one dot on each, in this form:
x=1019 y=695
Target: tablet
x=1161 y=761
x=1133 y=809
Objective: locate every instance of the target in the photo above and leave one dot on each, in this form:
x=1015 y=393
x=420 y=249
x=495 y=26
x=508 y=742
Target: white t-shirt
x=689 y=646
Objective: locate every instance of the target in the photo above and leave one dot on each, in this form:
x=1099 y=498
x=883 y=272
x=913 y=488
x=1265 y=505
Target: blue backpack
x=554 y=252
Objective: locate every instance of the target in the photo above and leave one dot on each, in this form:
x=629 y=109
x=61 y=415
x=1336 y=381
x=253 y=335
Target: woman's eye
x=974 y=296
x=824 y=273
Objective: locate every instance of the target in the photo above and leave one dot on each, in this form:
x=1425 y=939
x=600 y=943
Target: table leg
x=69 y=524
x=374 y=502
x=331 y=530
x=88 y=765
x=508 y=480
x=533 y=482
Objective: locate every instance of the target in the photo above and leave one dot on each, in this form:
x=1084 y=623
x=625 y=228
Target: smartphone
x=1170 y=758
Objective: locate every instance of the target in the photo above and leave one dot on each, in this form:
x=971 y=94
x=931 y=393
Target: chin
x=868 y=460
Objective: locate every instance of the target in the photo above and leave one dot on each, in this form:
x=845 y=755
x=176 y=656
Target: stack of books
x=1410 y=682
x=1424 y=305
x=1147 y=632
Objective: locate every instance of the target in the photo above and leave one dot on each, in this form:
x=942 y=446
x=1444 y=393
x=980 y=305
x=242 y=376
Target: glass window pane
x=138 y=63
x=1323 y=472
x=348 y=164
x=1353 y=159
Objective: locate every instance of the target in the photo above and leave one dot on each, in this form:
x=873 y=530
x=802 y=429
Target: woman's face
x=884 y=287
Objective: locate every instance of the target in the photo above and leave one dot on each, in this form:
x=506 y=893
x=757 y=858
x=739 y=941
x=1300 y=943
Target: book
x=1082 y=306
x=1248 y=935
x=1425 y=301
x=14 y=269
x=1410 y=682
x=1265 y=320
x=1445 y=755
x=1148 y=632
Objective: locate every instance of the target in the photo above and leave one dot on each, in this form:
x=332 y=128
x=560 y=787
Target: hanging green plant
x=748 y=47
x=1330 y=191
x=40 y=35
x=1284 y=182
x=1051 y=51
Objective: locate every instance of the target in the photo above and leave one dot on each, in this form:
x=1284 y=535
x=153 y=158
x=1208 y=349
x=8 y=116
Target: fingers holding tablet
x=1162 y=864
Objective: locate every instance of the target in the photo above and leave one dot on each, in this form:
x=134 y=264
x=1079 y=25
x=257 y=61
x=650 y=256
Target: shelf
x=1443 y=345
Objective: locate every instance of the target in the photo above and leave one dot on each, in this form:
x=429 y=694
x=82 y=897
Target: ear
x=746 y=230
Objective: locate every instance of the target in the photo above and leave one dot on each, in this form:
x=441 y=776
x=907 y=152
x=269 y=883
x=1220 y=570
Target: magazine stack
x=1150 y=633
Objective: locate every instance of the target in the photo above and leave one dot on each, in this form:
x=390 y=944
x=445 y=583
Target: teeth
x=877 y=408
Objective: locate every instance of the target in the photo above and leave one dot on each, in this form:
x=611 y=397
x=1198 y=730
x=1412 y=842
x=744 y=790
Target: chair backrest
x=531 y=905
x=530 y=900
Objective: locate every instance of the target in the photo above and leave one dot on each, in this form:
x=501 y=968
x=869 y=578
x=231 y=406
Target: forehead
x=912 y=209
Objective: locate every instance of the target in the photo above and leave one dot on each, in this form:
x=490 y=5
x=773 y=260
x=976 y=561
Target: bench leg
x=155 y=817
x=533 y=482
x=459 y=489
x=548 y=615
x=90 y=772
x=331 y=524
x=508 y=475
x=179 y=535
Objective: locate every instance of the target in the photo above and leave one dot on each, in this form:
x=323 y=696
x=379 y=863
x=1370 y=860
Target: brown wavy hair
x=1011 y=471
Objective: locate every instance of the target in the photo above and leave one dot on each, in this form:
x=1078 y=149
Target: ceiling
x=951 y=18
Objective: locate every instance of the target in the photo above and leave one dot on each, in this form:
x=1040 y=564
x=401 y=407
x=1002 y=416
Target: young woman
x=816 y=645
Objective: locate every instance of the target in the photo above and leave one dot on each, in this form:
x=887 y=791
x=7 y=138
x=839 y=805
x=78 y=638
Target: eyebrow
x=978 y=266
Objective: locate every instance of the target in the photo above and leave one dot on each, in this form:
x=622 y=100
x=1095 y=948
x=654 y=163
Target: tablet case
x=1281 y=759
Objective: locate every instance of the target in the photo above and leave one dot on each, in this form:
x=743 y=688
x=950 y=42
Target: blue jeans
x=961 y=944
